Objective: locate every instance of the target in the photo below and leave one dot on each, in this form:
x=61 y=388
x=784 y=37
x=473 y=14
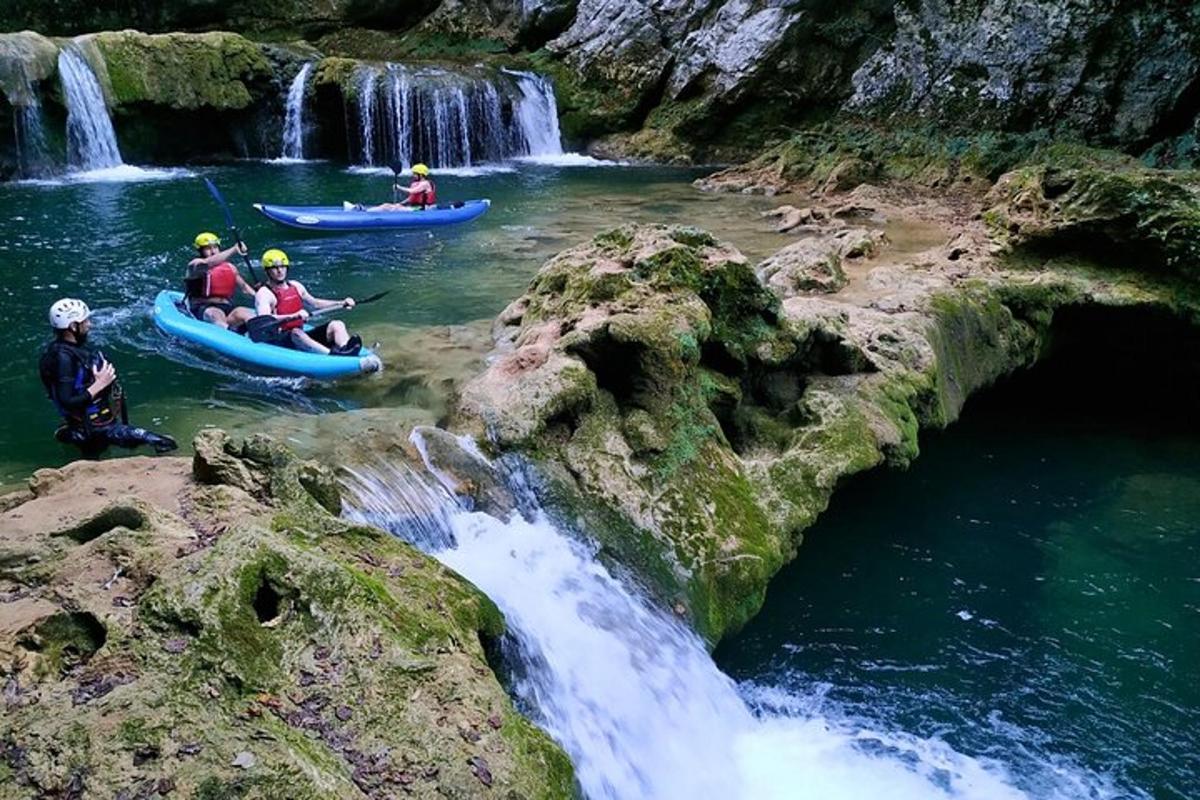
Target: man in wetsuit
x=83 y=386
x=212 y=282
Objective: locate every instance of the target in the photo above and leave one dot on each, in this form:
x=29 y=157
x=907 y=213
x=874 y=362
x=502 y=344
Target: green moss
x=220 y=71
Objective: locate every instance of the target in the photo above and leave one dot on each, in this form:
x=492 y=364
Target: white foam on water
x=637 y=702
x=125 y=173
x=569 y=160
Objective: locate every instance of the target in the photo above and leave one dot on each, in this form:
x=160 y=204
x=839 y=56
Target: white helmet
x=66 y=311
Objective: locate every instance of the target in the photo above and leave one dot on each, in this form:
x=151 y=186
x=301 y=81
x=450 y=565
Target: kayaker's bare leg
x=336 y=333
x=303 y=341
x=216 y=316
x=239 y=316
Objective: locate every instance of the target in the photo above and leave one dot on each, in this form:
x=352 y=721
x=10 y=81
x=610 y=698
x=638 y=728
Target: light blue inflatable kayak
x=171 y=317
x=337 y=218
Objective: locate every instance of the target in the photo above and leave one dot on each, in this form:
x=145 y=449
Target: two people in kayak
x=422 y=194
x=212 y=282
x=82 y=385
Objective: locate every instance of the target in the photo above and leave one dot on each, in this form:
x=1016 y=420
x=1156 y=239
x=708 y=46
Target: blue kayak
x=171 y=317
x=337 y=218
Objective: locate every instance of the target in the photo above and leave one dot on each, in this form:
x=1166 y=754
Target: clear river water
x=1014 y=616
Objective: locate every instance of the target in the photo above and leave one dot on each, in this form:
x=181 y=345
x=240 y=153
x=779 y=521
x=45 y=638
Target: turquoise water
x=117 y=244
x=1029 y=591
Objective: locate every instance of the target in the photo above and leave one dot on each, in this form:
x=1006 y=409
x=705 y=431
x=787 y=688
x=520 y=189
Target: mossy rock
x=220 y=71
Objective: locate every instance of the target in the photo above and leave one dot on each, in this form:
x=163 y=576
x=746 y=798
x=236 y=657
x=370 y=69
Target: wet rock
x=815 y=264
x=245 y=759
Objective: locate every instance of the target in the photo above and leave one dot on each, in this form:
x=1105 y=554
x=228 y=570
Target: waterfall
x=293 y=126
x=453 y=119
x=91 y=140
x=631 y=693
x=537 y=112
x=366 y=114
x=33 y=155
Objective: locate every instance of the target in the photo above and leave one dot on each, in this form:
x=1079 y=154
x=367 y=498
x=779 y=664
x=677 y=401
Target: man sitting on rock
x=83 y=386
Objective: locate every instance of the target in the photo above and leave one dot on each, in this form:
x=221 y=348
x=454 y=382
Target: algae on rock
x=227 y=636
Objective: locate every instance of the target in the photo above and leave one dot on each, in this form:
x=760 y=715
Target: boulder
x=815 y=264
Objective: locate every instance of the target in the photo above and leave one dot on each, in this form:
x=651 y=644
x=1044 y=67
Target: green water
x=117 y=244
x=1029 y=591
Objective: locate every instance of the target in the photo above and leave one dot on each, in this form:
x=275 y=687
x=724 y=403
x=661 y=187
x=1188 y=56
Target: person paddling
x=422 y=194
x=286 y=300
x=212 y=282
x=83 y=386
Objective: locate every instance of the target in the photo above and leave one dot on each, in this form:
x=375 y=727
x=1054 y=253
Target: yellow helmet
x=274 y=258
x=420 y=169
x=205 y=239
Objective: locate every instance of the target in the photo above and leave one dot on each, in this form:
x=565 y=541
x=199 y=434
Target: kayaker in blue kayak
x=83 y=386
x=212 y=282
x=286 y=300
x=422 y=194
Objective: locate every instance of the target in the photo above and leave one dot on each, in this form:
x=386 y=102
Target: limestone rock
x=1090 y=207
x=1101 y=69
x=815 y=264
x=156 y=631
x=216 y=71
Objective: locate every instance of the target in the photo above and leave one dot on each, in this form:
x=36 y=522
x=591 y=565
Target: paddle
x=265 y=328
x=396 y=169
x=237 y=237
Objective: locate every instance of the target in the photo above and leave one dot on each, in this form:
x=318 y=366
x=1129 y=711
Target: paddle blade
x=264 y=329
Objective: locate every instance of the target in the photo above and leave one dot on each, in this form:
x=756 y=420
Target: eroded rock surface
x=696 y=424
x=214 y=631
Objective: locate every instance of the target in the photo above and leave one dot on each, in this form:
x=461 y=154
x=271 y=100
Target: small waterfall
x=451 y=119
x=91 y=140
x=33 y=155
x=293 y=126
x=537 y=112
x=632 y=694
x=367 y=101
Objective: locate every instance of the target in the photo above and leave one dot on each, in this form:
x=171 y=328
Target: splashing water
x=537 y=111
x=632 y=694
x=293 y=126
x=91 y=140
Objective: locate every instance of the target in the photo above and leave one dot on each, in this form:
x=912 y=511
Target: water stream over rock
x=452 y=120
x=91 y=140
x=632 y=694
x=293 y=126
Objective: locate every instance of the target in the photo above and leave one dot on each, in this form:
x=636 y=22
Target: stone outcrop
x=696 y=424
x=212 y=630
x=815 y=264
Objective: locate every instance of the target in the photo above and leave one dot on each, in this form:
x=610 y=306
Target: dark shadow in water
x=1029 y=589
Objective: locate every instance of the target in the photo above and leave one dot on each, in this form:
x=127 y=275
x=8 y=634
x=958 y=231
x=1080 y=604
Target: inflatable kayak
x=171 y=318
x=337 y=218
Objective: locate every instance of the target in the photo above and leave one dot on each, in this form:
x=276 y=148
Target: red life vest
x=428 y=198
x=288 y=301
x=221 y=281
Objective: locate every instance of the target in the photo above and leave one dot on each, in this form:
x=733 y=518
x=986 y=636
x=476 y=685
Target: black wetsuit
x=90 y=424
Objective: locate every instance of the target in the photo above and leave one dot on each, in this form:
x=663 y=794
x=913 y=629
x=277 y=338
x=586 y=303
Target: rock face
x=696 y=425
x=1114 y=73
x=224 y=635
x=1072 y=203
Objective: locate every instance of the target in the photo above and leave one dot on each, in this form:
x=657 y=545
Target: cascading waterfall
x=33 y=155
x=452 y=120
x=91 y=140
x=293 y=126
x=633 y=696
x=537 y=112
x=366 y=114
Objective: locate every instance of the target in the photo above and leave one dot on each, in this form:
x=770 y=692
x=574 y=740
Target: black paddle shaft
x=237 y=236
x=267 y=327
